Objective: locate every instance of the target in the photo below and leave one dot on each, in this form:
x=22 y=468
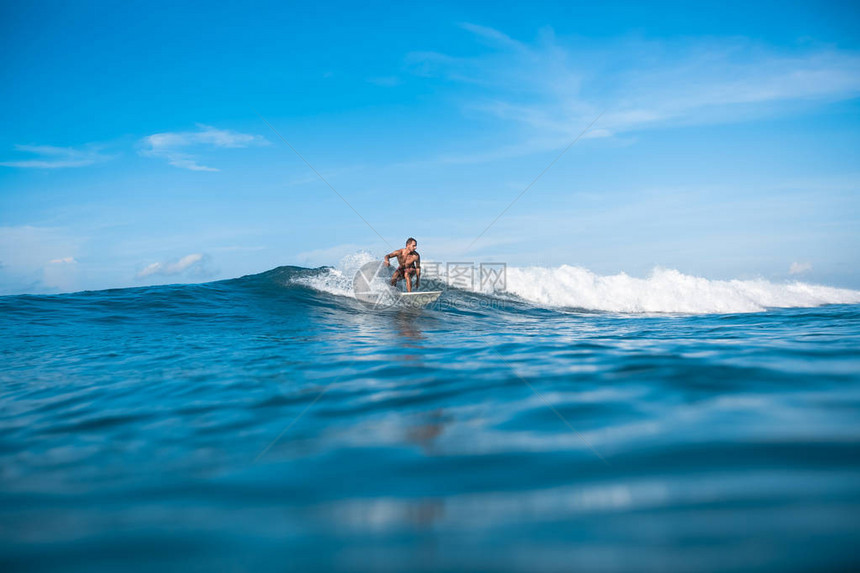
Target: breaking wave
x=663 y=291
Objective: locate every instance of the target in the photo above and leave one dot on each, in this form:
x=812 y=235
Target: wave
x=662 y=291
x=336 y=280
x=552 y=288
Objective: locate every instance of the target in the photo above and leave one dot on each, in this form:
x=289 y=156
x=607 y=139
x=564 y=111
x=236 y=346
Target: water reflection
x=406 y=321
x=426 y=433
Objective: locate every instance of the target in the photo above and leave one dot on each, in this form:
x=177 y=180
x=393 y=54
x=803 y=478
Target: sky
x=163 y=142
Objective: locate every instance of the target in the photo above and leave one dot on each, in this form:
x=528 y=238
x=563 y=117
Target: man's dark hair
x=411 y=240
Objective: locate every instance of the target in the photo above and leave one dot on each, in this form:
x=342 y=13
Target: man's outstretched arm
x=391 y=254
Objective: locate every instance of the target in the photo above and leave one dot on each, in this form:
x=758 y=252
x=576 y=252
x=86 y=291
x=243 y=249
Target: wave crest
x=665 y=290
x=337 y=280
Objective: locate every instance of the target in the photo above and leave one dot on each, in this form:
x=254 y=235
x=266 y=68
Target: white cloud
x=28 y=248
x=799 y=268
x=492 y=35
x=173 y=146
x=554 y=88
x=38 y=259
x=53 y=157
x=195 y=264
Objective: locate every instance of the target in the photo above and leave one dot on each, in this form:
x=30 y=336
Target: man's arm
x=392 y=254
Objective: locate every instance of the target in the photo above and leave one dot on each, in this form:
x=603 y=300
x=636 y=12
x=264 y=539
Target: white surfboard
x=418 y=299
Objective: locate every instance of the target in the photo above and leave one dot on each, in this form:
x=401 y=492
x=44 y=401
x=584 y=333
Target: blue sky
x=133 y=150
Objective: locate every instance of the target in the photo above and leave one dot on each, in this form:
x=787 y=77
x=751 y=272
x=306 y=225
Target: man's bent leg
x=398 y=274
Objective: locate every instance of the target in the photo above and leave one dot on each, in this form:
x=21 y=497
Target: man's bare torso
x=407 y=260
x=409 y=264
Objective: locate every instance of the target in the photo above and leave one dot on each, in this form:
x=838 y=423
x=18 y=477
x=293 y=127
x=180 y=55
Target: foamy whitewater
x=663 y=291
x=574 y=422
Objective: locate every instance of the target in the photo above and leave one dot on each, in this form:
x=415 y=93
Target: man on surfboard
x=410 y=264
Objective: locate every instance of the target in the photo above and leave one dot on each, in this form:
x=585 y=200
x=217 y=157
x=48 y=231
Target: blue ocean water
x=269 y=424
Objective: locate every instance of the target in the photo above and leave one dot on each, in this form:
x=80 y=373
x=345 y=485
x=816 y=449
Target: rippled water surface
x=262 y=425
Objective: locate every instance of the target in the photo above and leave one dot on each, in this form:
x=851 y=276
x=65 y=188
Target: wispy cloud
x=52 y=157
x=552 y=87
x=492 y=36
x=797 y=268
x=195 y=264
x=39 y=259
x=177 y=147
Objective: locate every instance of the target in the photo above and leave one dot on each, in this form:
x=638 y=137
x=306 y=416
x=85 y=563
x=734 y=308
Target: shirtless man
x=410 y=264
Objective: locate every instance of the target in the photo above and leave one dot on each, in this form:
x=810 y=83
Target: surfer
x=410 y=264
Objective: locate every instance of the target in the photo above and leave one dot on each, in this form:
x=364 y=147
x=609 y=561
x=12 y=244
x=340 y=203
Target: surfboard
x=418 y=299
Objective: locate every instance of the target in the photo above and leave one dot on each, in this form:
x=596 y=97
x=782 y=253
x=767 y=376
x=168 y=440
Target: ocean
x=575 y=422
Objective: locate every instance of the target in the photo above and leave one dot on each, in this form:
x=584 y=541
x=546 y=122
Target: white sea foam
x=665 y=290
x=338 y=280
